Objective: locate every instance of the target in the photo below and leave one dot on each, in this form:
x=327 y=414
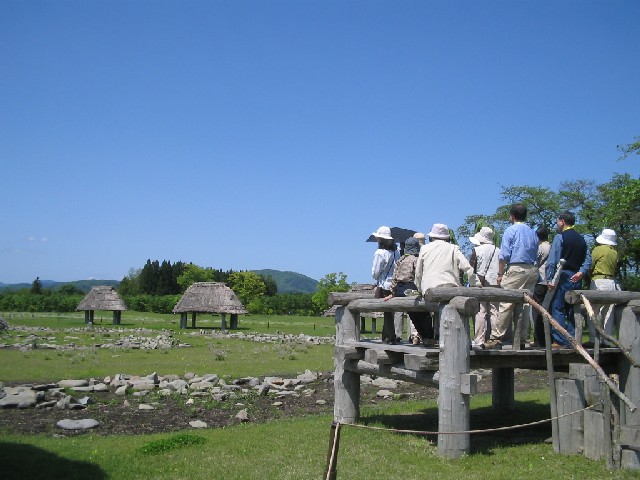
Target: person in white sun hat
x=485 y=258
x=604 y=263
x=384 y=261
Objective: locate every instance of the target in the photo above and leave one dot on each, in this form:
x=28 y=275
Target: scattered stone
x=198 y=424
x=84 y=424
x=146 y=406
x=321 y=402
x=73 y=383
x=121 y=390
x=384 y=394
x=242 y=416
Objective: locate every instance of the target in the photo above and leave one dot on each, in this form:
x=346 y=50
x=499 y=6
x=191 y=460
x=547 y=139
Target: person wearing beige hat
x=440 y=262
x=421 y=238
x=485 y=259
x=604 y=262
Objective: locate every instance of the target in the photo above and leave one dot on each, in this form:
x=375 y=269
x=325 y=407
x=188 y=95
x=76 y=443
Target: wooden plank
x=594 y=432
x=469 y=384
x=629 y=336
x=378 y=357
x=485 y=294
x=601 y=297
x=591 y=383
x=630 y=436
x=420 y=362
x=570 y=428
x=395 y=372
x=630 y=460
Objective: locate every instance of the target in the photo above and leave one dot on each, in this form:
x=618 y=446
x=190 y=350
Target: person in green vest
x=604 y=262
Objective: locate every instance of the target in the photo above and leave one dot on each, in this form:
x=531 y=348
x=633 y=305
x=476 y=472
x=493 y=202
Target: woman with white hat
x=384 y=261
x=485 y=259
x=604 y=262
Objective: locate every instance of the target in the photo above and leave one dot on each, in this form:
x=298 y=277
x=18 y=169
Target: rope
x=466 y=432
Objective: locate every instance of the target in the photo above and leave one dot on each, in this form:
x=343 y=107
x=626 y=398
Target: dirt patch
x=121 y=415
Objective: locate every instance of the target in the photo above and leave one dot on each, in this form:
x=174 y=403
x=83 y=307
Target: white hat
x=607 y=237
x=485 y=235
x=383 y=232
x=439 y=230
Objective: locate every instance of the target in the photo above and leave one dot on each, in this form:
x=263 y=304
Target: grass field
x=293 y=448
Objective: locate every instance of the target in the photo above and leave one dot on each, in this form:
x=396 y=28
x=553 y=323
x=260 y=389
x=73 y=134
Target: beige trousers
x=516 y=277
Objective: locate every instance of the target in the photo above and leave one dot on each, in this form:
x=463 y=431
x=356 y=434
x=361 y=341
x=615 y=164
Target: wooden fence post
x=453 y=405
x=346 y=385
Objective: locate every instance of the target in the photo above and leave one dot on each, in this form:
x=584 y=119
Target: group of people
x=524 y=260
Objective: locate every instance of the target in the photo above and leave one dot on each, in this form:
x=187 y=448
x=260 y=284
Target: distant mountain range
x=287 y=282
x=84 y=285
x=290 y=282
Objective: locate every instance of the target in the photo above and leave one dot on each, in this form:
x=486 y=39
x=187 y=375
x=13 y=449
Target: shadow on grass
x=483 y=418
x=20 y=461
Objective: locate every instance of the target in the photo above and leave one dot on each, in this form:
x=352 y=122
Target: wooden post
x=374 y=325
x=571 y=429
x=453 y=405
x=183 y=320
x=629 y=375
x=223 y=321
x=116 y=317
x=503 y=390
x=362 y=323
x=346 y=407
x=234 y=321
x=193 y=319
x=87 y=317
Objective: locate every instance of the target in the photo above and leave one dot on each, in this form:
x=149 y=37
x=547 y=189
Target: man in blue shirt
x=571 y=246
x=517 y=270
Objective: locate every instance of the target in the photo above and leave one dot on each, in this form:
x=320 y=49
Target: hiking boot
x=493 y=344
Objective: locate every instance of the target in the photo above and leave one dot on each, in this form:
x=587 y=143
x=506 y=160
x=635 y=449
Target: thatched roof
x=102 y=298
x=361 y=287
x=209 y=297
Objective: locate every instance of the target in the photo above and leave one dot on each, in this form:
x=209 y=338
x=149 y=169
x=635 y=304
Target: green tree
x=630 y=149
x=36 y=286
x=193 y=273
x=331 y=282
x=249 y=286
x=130 y=284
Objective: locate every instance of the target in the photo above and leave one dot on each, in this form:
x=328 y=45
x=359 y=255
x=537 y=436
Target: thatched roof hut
x=209 y=297
x=102 y=298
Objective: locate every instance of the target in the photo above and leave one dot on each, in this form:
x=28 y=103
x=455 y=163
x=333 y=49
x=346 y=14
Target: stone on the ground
x=198 y=424
x=84 y=424
x=242 y=416
x=73 y=383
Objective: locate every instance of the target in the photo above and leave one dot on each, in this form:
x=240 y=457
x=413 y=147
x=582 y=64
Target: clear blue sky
x=280 y=134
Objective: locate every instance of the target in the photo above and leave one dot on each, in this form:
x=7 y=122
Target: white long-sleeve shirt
x=383 y=267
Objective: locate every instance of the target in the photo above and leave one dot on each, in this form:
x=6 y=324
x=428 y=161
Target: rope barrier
x=467 y=432
x=331 y=472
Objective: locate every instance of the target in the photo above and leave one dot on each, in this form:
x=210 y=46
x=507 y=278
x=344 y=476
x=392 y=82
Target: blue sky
x=279 y=134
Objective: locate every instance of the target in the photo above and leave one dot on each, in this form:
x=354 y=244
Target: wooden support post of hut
x=211 y=298
x=102 y=298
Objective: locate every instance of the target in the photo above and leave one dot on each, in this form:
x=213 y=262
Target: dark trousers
x=539 y=292
x=421 y=320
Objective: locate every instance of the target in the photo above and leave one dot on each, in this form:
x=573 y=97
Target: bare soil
x=120 y=415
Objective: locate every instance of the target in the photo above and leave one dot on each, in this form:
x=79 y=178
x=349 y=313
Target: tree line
x=614 y=204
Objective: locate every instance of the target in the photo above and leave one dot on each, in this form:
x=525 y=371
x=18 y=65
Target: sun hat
x=383 y=232
x=607 y=237
x=420 y=237
x=439 y=230
x=411 y=246
x=485 y=235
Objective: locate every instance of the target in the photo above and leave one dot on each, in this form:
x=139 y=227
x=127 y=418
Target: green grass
x=281 y=449
x=297 y=449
